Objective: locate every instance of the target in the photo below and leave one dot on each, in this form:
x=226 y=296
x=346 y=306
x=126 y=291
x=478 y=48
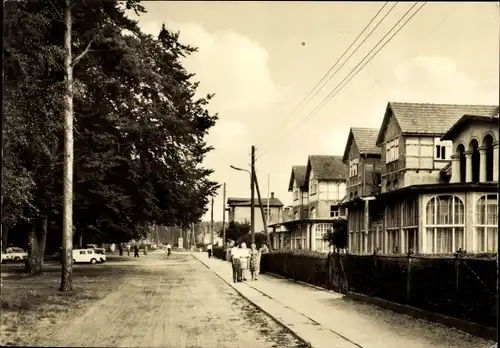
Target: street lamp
x=252 y=201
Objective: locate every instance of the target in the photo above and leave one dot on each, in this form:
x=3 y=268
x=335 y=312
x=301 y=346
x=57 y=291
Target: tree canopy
x=139 y=127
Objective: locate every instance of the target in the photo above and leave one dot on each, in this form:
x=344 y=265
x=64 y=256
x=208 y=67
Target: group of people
x=136 y=250
x=243 y=259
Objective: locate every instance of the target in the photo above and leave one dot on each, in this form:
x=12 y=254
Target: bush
x=260 y=238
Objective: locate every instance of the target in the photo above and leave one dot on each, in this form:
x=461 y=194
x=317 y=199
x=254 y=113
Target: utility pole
x=268 y=211
x=212 y=222
x=252 y=196
x=224 y=216
x=262 y=212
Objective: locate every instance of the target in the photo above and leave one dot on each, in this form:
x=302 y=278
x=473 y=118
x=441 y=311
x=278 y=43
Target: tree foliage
x=139 y=127
x=337 y=235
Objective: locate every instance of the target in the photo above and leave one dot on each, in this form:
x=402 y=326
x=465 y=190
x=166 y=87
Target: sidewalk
x=326 y=319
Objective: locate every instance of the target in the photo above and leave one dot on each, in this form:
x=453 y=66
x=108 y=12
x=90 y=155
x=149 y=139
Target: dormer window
x=392 y=150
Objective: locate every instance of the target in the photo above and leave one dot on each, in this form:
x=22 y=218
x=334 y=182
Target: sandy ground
x=156 y=303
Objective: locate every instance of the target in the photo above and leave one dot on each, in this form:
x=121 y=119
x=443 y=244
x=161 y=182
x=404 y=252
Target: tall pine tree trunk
x=36 y=246
x=5 y=237
x=67 y=237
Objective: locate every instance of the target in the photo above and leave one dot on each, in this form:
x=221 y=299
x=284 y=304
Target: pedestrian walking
x=168 y=249
x=128 y=249
x=235 y=262
x=244 y=255
x=209 y=249
x=263 y=250
x=254 y=261
x=120 y=249
x=136 y=251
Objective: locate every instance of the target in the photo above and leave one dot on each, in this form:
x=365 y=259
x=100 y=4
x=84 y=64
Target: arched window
x=488 y=145
x=474 y=148
x=461 y=153
x=486 y=223
x=320 y=230
x=313 y=213
x=444 y=224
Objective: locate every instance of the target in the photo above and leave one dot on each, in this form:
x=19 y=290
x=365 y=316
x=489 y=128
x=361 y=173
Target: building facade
x=240 y=211
x=362 y=157
x=317 y=191
x=438 y=182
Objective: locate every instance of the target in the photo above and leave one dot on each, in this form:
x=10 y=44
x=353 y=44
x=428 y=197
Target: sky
x=261 y=59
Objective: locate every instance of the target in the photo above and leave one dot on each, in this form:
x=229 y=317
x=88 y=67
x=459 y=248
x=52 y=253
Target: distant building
x=240 y=211
x=318 y=188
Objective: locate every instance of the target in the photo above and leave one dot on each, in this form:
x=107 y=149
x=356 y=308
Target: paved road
x=172 y=303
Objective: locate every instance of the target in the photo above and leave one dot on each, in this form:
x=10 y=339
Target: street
x=170 y=303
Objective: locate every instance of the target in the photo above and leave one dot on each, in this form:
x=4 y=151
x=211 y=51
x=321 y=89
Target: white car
x=88 y=256
x=96 y=248
x=14 y=254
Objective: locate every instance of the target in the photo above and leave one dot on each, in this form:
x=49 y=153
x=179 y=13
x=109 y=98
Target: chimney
x=272 y=195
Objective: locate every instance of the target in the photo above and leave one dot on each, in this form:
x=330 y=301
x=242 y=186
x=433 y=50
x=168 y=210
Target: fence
x=463 y=288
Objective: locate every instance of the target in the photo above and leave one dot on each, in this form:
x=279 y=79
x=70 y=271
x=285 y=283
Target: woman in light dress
x=254 y=261
x=244 y=256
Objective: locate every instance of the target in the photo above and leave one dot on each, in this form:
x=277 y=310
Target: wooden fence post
x=457 y=266
x=408 y=280
x=330 y=267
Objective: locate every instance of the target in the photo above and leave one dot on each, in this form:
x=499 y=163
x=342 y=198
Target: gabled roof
x=428 y=119
x=365 y=139
x=326 y=167
x=245 y=202
x=467 y=119
x=298 y=174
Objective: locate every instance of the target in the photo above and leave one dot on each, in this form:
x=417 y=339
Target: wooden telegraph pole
x=224 y=216
x=252 y=194
x=212 y=222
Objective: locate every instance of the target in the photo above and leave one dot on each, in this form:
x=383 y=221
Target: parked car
x=88 y=256
x=96 y=248
x=14 y=254
x=57 y=254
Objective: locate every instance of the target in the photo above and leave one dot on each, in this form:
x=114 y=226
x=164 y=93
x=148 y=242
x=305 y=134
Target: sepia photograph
x=250 y=174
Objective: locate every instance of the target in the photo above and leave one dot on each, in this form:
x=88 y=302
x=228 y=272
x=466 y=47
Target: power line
x=308 y=97
x=336 y=90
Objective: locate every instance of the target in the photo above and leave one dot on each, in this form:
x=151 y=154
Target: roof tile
x=420 y=118
x=366 y=140
x=327 y=167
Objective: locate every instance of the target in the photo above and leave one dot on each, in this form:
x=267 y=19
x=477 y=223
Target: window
x=296 y=215
x=320 y=230
x=313 y=187
x=393 y=241
x=440 y=152
x=392 y=150
x=487 y=224
x=313 y=213
x=353 y=168
x=334 y=211
x=295 y=194
x=267 y=213
x=445 y=224
x=82 y=252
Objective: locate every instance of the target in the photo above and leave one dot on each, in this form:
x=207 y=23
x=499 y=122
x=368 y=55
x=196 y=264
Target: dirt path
x=171 y=303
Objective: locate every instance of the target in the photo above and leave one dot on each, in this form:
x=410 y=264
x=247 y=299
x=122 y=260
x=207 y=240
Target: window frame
x=485 y=225
x=392 y=150
x=435 y=226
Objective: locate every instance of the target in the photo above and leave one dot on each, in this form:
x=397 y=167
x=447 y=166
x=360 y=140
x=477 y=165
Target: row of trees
x=139 y=128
